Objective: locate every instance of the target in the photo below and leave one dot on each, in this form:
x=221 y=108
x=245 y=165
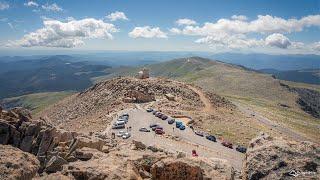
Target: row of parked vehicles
x=121 y=124
x=224 y=143
x=170 y=120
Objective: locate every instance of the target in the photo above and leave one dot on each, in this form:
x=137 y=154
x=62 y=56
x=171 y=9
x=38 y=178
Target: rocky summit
x=93 y=109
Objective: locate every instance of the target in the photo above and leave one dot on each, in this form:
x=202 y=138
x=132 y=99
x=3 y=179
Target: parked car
x=159 y=131
x=143 y=129
x=158 y=114
x=126 y=135
x=123 y=119
x=171 y=121
x=211 y=138
x=149 y=110
x=154 y=112
x=120 y=133
x=119 y=123
x=227 y=144
x=199 y=133
x=164 y=117
x=118 y=126
x=241 y=149
x=125 y=114
x=153 y=125
x=194 y=153
x=178 y=124
x=182 y=127
x=156 y=127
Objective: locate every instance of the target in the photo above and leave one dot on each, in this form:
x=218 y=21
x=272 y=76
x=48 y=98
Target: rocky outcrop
x=276 y=158
x=191 y=168
x=16 y=164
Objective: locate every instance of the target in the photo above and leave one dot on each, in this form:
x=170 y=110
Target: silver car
x=126 y=135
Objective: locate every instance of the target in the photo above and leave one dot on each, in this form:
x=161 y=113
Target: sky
x=271 y=27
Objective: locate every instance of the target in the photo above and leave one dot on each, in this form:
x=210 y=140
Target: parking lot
x=187 y=139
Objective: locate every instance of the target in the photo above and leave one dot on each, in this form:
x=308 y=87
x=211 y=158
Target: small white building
x=143 y=74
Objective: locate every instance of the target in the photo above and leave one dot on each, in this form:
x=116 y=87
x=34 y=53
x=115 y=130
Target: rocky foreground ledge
x=34 y=149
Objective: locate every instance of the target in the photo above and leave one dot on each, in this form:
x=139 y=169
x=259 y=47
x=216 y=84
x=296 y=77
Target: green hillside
x=35 y=102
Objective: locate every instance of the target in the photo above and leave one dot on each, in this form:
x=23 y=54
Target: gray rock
x=55 y=164
x=4 y=132
x=26 y=143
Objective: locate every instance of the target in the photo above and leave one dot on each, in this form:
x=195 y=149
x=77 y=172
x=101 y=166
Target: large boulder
x=276 y=158
x=16 y=164
x=192 y=168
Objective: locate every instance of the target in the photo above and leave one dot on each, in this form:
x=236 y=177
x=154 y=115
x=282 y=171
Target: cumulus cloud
x=230 y=41
x=263 y=25
x=4 y=5
x=117 y=16
x=31 y=4
x=233 y=33
x=52 y=7
x=278 y=40
x=147 y=32
x=175 y=31
x=66 y=34
x=185 y=21
x=239 y=17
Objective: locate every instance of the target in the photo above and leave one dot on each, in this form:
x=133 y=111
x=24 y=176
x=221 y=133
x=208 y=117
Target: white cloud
x=278 y=40
x=233 y=33
x=117 y=16
x=224 y=40
x=263 y=24
x=52 y=7
x=185 y=21
x=316 y=46
x=31 y=4
x=147 y=32
x=175 y=31
x=66 y=34
x=4 y=5
x=239 y=17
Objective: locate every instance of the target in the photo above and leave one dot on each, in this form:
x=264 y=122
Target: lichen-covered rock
x=276 y=158
x=192 y=168
x=16 y=164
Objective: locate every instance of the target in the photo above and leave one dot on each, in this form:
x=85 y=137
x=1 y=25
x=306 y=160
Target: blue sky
x=273 y=27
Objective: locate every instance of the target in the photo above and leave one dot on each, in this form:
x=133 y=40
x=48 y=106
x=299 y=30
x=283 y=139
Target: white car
x=119 y=123
x=126 y=135
x=121 y=133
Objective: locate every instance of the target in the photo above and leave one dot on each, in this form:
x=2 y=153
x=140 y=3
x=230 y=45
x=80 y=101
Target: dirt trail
x=207 y=104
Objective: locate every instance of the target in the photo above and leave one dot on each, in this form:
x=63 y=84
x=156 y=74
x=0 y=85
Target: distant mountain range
x=311 y=76
x=21 y=75
x=46 y=74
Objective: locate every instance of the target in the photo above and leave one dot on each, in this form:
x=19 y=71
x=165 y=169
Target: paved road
x=271 y=124
x=188 y=140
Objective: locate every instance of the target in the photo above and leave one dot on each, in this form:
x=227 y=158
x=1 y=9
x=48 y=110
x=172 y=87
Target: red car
x=227 y=144
x=159 y=131
x=194 y=153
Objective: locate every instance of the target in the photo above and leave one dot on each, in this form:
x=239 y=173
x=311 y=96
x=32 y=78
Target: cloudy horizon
x=245 y=28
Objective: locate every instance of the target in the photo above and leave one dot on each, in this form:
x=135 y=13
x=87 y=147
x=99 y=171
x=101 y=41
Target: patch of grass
x=36 y=102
